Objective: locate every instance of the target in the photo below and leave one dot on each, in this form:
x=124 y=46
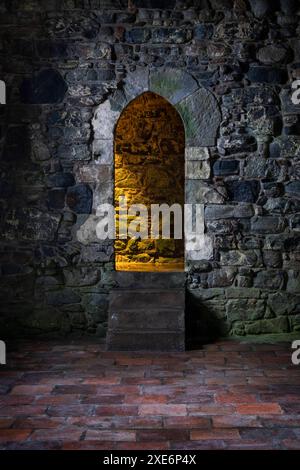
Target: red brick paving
x=75 y=395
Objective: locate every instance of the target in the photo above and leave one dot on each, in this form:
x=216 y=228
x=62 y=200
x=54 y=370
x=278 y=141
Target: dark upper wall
x=60 y=60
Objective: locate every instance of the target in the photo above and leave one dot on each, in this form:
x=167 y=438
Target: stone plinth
x=146 y=312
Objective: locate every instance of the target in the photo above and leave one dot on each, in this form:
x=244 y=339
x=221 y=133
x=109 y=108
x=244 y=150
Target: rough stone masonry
x=62 y=62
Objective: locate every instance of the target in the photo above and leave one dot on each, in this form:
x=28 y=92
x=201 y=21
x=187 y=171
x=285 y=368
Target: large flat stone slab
x=201 y=116
x=172 y=84
x=148 y=341
x=153 y=319
x=142 y=298
x=147 y=317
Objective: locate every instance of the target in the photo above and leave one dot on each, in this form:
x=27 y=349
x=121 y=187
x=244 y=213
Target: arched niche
x=149 y=158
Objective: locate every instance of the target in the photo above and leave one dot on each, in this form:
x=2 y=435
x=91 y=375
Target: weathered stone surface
x=104 y=121
x=171 y=35
x=74 y=152
x=79 y=277
x=93 y=173
x=138 y=298
x=61 y=180
x=262 y=94
x=221 y=278
x=272 y=259
x=137 y=35
x=136 y=83
x=260 y=7
x=243 y=293
x=245 y=309
x=287 y=242
x=204 y=250
x=40 y=152
x=30 y=224
x=197 y=170
x=272 y=325
x=269 y=279
x=198 y=192
x=283 y=303
x=80 y=199
x=96 y=253
x=262 y=74
x=215 y=293
x=46 y=87
x=263 y=121
x=172 y=84
x=243 y=191
x=294 y=222
x=218 y=51
x=86 y=233
x=226 y=167
x=56 y=198
x=133 y=320
x=292 y=189
x=103 y=151
x=295 y=323
x=262 y=168
x=228 y=212
x=223 y=226
x=62 y=297
x=124 y=310
x=196 y=153
x=272 y=54
x=238 y=258
x=45 y=320
x=201 y=116
x=272 y=189
x=236 y=143
x=103 y=194
x=285 y=147
x=293 y=283
x=74 y=84
x=203 y=31
x=267 y=224
x=278 y=205
x=287 y=104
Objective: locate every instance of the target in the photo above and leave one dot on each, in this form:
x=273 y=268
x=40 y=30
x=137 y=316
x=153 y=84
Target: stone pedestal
x=146 y=312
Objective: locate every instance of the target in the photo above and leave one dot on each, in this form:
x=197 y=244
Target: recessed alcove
x=155 y=132
x=149 y=169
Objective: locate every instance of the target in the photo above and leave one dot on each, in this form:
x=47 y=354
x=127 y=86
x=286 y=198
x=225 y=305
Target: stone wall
x=70 y=67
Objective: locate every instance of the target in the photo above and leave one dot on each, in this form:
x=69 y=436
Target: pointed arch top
x=152 y=96
x=197 y=106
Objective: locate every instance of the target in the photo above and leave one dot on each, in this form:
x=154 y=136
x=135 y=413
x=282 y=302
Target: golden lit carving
x=149 y=169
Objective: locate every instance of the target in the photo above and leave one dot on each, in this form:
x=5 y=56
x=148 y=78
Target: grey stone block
x=135 y=299
x=172 y=84
x=201 y=116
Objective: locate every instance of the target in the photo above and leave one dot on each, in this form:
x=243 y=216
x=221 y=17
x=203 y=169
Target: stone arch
x=197 y=106
x=201 y=117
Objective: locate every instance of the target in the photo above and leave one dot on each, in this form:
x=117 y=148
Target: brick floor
x=74 y=395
